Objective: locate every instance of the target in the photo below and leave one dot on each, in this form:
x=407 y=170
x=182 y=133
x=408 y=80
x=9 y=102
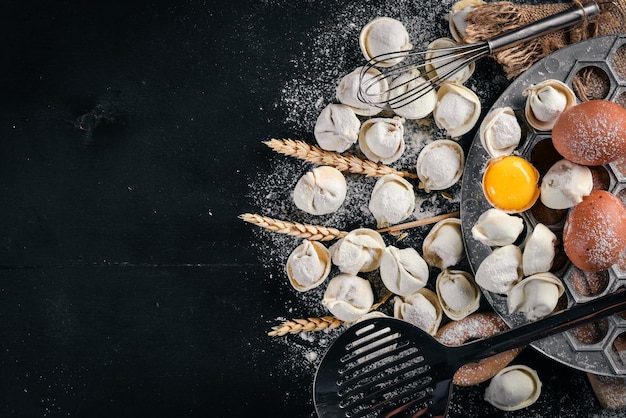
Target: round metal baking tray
x=594 y=354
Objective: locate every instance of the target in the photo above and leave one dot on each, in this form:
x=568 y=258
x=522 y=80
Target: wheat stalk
x=295 y=326
x=348 y=163
x=305 y=231
x=322 y=233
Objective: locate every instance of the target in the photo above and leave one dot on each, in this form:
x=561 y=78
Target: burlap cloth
x=491 y=19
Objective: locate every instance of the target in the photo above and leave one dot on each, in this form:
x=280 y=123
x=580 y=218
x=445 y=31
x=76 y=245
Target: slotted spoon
x=386 y=367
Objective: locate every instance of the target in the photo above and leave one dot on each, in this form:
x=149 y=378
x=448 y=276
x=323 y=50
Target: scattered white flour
x=332 y=52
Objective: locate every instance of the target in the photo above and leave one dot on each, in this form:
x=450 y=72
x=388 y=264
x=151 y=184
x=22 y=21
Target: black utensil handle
x=523 y=335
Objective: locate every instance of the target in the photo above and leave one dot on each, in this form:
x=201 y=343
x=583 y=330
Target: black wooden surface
x=129 y=132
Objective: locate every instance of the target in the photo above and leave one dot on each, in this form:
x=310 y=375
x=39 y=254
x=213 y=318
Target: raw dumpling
x=539 y=250
x=440 y=63
x=392 y=200
x=403 y=271
x=372 y=86
x=359 y=251
x=565 y=184
x=320 y=191
x=457 y=110
x=458 y=293
x=514 y=387
x=384 y=35
x=500 y=132
x=337 y=128
x=382 y=139
x=500 y=270
x=443 y=246
x=546 y=101
x=348 y=297
x=404 y=104
x=440 y=165
x=495 y=227
x=536 y=296
x=421 y=309
x=308 y=265
x=458 y=14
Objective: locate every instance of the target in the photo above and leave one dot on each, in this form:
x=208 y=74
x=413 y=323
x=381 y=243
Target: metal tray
x=595 y=355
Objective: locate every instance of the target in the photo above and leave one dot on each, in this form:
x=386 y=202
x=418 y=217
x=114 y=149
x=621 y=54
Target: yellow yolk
x=510 y=184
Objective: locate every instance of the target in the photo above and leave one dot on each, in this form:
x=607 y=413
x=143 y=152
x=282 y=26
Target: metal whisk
x=436 y=65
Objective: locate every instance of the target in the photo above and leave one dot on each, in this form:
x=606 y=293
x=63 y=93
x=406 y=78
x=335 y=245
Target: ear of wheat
x=295 y=326
x=305 y=325
x=298 y=230
x=348 y=163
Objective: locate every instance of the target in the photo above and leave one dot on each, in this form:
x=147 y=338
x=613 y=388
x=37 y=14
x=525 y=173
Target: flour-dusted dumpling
x=500 y=132
x=320 y=191
x=348 y=297
x=457 y=110
x=458 y=15
x=500 y=270
x=440 y=165
x=514 y=387
x=495 y=227
x=546 y=101
x=440 y=63
x=421 y=309
x=359 y=251
x=308 y=265
x=384 y=35
x=403 y=271
x=539 y=250
x=458 y=293
x=382 y=139
x=392 y=200
x=565 y=184
x=337 y=128
x=365 y=95
x=443 y=246
x=405 y=103
x=536 y=296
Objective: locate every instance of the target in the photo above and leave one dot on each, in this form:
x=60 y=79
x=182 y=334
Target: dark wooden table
x=130 y=135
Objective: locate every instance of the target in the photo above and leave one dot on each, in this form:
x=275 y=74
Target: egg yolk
x=510 y=184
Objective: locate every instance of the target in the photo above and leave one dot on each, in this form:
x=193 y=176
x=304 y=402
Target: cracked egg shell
x=458 y=293
x=546 y=101
x=514 y=387
x=511 y=183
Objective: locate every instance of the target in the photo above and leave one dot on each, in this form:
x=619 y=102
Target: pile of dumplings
x=403 y=272
x=377 y=131
x=348 y=264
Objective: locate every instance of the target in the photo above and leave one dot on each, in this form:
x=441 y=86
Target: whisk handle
x=544 y=26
